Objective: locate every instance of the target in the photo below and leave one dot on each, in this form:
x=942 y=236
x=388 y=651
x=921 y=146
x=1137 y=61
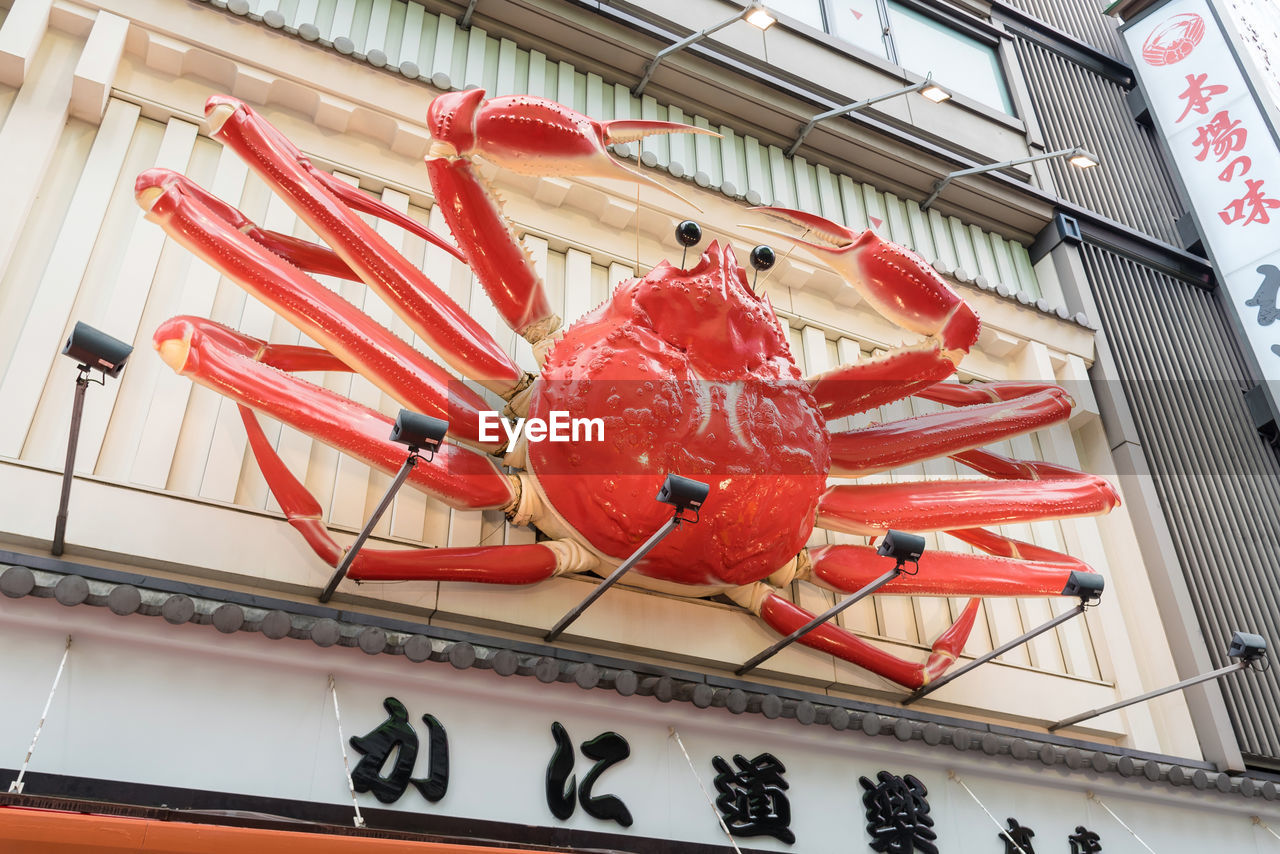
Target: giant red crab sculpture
x=690 y=371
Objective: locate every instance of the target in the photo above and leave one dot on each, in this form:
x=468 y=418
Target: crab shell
x=692 y=374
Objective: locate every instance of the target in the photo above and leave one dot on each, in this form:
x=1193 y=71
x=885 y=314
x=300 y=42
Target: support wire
x=1004 y=832
x=705 y=793
x=342 y=745
x=16 y=786
x=1093 y=797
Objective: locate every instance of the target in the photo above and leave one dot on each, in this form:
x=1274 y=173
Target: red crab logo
x=1173 y=40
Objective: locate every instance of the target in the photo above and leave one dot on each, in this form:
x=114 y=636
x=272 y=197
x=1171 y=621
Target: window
x=805 y=11
x=909 y=38
x=965 y=64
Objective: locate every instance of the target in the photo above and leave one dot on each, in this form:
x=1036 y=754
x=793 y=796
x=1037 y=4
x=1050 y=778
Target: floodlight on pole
x=1076 y=156
x=93 y=350
x=754 y=13
x=902 y=547
x=925 y=87
x=684 y=495
x=1246 y=648
x=419 y=433
x=1087 y=586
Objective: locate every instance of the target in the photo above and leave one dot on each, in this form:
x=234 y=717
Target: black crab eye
x=763 y=258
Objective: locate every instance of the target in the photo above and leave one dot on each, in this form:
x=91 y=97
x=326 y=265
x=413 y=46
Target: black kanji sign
x=898 y=819
x=751 y=799
x=396 y=736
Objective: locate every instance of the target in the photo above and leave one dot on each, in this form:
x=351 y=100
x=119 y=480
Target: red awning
x=40 y=831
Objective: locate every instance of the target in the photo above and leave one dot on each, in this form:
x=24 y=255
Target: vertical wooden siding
x=431 y=46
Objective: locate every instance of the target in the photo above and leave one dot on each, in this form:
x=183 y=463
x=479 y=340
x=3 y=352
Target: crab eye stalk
x=762 y=258
x=689 y=233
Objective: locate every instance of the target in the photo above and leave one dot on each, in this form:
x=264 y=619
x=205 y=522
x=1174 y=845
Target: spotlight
x=683 y=494
x=760 y=18
x=92 y=349
x=416 y=431
x=419 y=432
x=935 y=93
x=1247 y=647
x=1082 y=159
x=901 y=546
x=904 y=548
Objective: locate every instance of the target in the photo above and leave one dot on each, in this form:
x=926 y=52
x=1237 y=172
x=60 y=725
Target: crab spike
x=319 y=313
x=226 y=362
x=786 y=617
x=871 y=509
x=846 y=568
x=462 y=342
x=885 y=446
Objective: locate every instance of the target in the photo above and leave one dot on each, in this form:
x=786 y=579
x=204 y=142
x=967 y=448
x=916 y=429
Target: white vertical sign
x=1224 y=152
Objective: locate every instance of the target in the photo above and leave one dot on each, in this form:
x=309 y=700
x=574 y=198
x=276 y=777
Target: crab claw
x=895 y=281
x=536 y=136
x=529 y=136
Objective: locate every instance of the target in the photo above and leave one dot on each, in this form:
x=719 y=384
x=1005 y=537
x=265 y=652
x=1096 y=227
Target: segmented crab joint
x=688 y=372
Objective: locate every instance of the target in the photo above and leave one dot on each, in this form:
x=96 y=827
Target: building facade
x=203 y=691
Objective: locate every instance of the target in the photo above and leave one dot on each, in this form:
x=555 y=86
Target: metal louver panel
x=1219 y=485
x=1077 y=107
x=1085 y=21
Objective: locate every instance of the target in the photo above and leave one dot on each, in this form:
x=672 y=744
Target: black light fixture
x=1087 y=586
x=1248 y=650
x=904 y=548
x=94 y=350
x=418 y=432
x=925 y=87
x=1076 y=156
x=755 y=14
x=684 y=495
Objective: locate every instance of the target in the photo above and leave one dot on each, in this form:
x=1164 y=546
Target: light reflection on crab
x=690 y=370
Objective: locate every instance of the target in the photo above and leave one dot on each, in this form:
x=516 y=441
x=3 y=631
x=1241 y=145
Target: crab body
x=689 y=371
x=692 y=375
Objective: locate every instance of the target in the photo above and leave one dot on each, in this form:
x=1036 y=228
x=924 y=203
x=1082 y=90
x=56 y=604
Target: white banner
x=1225 y=154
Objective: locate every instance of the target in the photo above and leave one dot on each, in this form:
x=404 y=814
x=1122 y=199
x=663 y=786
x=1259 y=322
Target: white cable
x=705 y=793
x=1004 y=832
x=342 y=744
x=1093 y=797
x=1258 y=821
x=16 y=786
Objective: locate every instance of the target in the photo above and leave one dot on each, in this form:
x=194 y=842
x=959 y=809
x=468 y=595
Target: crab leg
x=531 y=136
x=325 y=204
x=518 y=564
x=870 y=509
x=318 y=312
x=1024 y=570
x=899 y=285
x=786 y=617
x=231 y=364
x=885 y=446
